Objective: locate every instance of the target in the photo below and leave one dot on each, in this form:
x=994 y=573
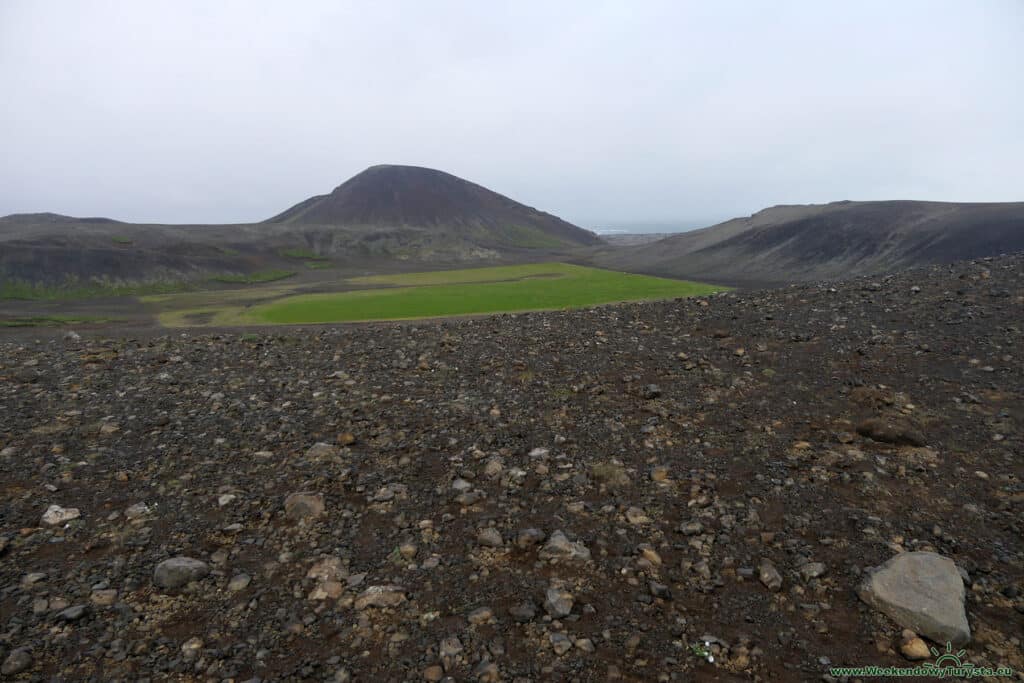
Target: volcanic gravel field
x=681 y=490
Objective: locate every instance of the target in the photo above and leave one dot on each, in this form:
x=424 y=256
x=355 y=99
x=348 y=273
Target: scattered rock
x=179 y=571
x=610 y=474
x=559 y=547
x=921 y=591
x=304 y=506
x=239 y=582
x=489 y=537
x=913 y=648
x=769 y=575
x=558 y=602
x=19 y=660
x=55 y=515
x=527 y=538
x=380 y=596
x=481 y=615
x=894 y=431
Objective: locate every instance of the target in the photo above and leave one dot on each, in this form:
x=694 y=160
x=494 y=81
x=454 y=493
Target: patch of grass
x=302 y=254
x=530 y=238
x=538 y=287
x=117 y=239
x=228 y=251
x=319 y=265
x=75 y=289
x=467 y=275
x=254 y=278
x=52 y=321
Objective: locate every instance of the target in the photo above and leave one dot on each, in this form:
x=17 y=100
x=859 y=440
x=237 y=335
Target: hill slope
x=390 y=196
x=384 y=216
x=795 y=243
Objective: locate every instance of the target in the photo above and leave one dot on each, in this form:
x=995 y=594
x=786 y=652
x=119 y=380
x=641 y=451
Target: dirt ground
x=577 y=496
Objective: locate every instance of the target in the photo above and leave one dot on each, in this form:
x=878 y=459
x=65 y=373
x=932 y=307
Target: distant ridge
x=52 y=218
x=790 y=243
x=391 y=196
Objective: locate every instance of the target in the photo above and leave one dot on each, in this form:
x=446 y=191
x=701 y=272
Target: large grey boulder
x=179 y=571
x=921 y=591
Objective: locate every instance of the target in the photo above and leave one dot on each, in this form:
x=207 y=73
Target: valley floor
x=580 y=495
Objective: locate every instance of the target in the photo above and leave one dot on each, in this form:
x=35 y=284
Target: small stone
x=585 y=645
x=191 y=647
x=527 y=538
x=490 y=537
x=523 y=612
x=913 y=648
x=239 y=582
x=494 y=467
x=408 y=550
x=481 y=615
x=660 y=473
x=660 y=590
x=651 y=555
x=558 y=602
x=136 y=511
x=450 y=647
x=561 y=548
x=487 y=672
x=304 y=505
x=560 y=643
x=103 y=598
x=812 y=570
x=226 y=499
x=380 y=596
x=610 y=474
x=32 y=578
x=55 y=515
x=691 y=528
x=73 y=613
x=897 y=431
x=321 y=450
x=327 y=569
x=16 y=662
x=179 y=571
x=327 y=589
x=433 y=673
x=635 y=515
x=769 y=575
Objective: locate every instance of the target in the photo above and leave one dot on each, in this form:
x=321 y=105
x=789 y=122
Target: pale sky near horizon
x=600 y=112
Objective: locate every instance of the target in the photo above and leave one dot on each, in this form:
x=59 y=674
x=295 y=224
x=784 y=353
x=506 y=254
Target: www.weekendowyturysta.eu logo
x=947 y=664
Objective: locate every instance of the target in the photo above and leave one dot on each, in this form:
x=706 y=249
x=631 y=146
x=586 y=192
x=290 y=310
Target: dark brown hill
x=384 y=216
x=390 y=196
x=841 y=239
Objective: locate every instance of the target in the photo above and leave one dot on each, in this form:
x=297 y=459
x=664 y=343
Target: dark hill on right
x=827 y=241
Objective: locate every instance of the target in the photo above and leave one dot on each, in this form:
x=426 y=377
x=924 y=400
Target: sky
x=600 y=112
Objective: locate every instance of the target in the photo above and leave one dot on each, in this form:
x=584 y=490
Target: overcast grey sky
x=230 y=111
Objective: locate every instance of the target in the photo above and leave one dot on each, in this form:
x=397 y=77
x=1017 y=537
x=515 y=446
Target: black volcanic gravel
x=675 y=445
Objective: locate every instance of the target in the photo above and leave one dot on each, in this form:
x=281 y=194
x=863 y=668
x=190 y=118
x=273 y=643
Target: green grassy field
x=75 y=290
x=51 y=321
x=254 y=278
x=543 y=286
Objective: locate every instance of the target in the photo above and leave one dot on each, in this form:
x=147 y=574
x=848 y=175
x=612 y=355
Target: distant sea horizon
x=647 y=227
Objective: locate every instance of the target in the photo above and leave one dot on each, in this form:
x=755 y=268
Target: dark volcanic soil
x=680 y=443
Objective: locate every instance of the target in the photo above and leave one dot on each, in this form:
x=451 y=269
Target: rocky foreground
x=750 y=486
